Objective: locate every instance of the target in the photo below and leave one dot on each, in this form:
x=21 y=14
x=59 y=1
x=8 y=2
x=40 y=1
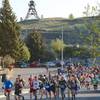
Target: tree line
x=34 y=47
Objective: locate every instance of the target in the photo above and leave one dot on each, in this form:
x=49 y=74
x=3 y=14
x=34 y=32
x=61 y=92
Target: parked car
x=43 y=65
x=50 y=64
x=34 y=64
x=21 y=64
x=59 y=63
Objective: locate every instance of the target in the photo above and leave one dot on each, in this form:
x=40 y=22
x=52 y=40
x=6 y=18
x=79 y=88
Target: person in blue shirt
x=7 y=86
x=62 y=86
x=47 y=88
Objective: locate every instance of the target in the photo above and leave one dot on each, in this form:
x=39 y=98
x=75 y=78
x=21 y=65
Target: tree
x=8 y=60
x=99 y=9
x=57 y=45
x=92 y=40
x=23 y=53
x=48 y=55
x=10 y=42
x=35 y=44
x=90 y=11
x=71 y=16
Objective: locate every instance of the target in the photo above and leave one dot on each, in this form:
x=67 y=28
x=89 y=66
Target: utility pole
x=62 y=49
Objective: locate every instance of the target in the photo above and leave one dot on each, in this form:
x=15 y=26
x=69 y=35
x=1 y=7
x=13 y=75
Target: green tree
x=48 y=55
x=35 y=44
x=57 y=45
x=10 y=42
x=24 y=53
x=91 y=11
x=71 y=16
x=92 y=40
x=98 y=9
x=7 y=61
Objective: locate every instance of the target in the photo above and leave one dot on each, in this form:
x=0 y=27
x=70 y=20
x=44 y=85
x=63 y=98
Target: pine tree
x=35 y=44
x=10 y=42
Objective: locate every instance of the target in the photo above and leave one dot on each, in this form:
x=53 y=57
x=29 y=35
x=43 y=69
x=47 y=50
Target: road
x=90 y=96
x=26 y=72
x=82 y=95
x=79 y=97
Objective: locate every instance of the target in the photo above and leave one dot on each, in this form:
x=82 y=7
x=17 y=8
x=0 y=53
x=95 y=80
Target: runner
x=69 y=87
x=22 y=84
x=53 y=87
x=30 y=80
x=95 y=82
x=74 y=86
x=47 y=88
x=87 y=81
x=18 y=90
x=62 y=86
x=41 y=89
x=21 y=80
x=7 y=86
x=35 y=86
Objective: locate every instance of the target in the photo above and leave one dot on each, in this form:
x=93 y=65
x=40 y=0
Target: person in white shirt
x=35 y=86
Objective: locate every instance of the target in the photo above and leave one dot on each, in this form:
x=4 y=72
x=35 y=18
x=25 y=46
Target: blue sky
x=51 y=8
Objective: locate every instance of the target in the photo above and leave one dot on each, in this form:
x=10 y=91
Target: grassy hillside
x=51 y=28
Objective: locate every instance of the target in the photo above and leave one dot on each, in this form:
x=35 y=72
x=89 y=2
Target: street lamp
x=77 y=45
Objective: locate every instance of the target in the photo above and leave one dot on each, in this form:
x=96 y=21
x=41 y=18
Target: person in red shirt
x=30 y=80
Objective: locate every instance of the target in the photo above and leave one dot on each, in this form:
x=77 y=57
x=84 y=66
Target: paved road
x=82 y=95
x=25 y=74
x=91 y=96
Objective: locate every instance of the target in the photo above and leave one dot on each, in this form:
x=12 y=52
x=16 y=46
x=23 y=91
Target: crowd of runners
x=49 y=85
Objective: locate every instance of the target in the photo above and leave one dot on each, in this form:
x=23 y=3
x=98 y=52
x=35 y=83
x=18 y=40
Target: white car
x=50 y=64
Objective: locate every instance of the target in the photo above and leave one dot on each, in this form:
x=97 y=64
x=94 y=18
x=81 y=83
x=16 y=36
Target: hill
x=51 y=28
